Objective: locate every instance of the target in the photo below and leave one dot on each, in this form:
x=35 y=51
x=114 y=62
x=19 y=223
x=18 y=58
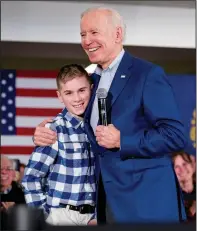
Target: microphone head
x=101 y=93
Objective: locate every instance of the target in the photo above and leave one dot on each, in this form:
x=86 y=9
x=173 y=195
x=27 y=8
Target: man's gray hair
x=116 y=17
x=8 y=159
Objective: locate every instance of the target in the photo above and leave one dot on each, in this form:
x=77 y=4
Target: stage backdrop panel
x=184 y=87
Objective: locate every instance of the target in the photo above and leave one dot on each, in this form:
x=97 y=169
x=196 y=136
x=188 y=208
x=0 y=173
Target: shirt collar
x=74 y=120
x=7 y=190
x=115 y=62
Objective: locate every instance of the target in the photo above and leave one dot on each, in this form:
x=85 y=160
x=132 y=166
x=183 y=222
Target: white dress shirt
x=106 y=79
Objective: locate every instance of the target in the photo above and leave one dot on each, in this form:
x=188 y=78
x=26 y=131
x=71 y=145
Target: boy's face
x=75 y=95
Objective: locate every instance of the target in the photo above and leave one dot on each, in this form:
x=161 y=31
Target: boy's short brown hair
x=69 y=72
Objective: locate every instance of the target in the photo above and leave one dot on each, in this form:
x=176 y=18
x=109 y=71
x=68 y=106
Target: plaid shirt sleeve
x=35 y=172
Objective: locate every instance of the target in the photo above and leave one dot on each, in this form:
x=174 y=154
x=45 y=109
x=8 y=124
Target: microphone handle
x=102 y=111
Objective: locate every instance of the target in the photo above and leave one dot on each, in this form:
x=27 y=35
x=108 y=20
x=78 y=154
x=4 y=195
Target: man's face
x=100 y=39
x=7 y=172
x=75 y=95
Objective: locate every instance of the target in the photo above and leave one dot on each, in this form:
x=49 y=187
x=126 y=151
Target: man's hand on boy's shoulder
x=44 y=136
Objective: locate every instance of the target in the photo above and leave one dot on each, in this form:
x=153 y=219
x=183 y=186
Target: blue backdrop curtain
x=184 y=87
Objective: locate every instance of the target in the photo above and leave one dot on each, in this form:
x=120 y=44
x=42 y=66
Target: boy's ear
x=92 y=85
x=59 y=96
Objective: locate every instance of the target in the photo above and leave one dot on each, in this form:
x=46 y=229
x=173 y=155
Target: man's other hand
x=108 y=136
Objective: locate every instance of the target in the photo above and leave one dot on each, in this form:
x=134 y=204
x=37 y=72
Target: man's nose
x=3 y=171
x=87 y=40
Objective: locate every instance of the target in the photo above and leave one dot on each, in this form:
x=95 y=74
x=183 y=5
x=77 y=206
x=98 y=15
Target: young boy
x=60 y=178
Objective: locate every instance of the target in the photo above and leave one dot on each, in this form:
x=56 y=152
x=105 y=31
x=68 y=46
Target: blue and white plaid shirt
x=63 y=172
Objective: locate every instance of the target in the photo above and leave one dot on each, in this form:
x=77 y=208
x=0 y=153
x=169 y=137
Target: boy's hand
x=92 y=222
x=44 y=136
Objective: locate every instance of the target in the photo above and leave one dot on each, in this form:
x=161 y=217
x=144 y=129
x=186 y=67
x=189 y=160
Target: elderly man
x=137 y=183
x=11 y=192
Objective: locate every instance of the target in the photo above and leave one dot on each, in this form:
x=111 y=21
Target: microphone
x=102 y=102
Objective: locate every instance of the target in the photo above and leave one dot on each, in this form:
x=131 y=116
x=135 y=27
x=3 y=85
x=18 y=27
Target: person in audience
x=16 y=164
x=60 y=177
x=185 y=168
x=10 y=191
x=184 y=165
x=21 y=171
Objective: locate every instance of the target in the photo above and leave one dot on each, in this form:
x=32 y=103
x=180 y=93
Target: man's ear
x=92 y=85
x=59 y=96
x=119 y=34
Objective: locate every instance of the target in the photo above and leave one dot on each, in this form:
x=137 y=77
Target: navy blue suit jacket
x=138 y=178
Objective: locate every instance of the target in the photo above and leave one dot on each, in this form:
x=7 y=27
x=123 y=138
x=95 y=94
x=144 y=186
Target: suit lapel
x=95 y=79
x=88 y=128
x=120 y=79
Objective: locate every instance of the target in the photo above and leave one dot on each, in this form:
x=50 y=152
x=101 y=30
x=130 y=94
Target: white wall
x=148 y=24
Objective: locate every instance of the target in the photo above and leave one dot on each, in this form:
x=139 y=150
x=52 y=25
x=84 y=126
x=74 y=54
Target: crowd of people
x=12 y=192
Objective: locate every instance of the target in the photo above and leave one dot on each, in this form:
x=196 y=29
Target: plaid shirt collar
x=75 y=121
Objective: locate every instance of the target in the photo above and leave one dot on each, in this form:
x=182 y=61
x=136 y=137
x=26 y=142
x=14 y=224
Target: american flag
x=27 y=98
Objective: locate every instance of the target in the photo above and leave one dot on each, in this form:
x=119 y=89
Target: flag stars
x=10 y=115
x=3 y=82
x=10 y=101
x=3 y=108
x=3 y=94
x=10 y=88
x=10 y=75
x=10 y=128
x=3 y=121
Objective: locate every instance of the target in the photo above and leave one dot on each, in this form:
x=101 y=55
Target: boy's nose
x=77 y=98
